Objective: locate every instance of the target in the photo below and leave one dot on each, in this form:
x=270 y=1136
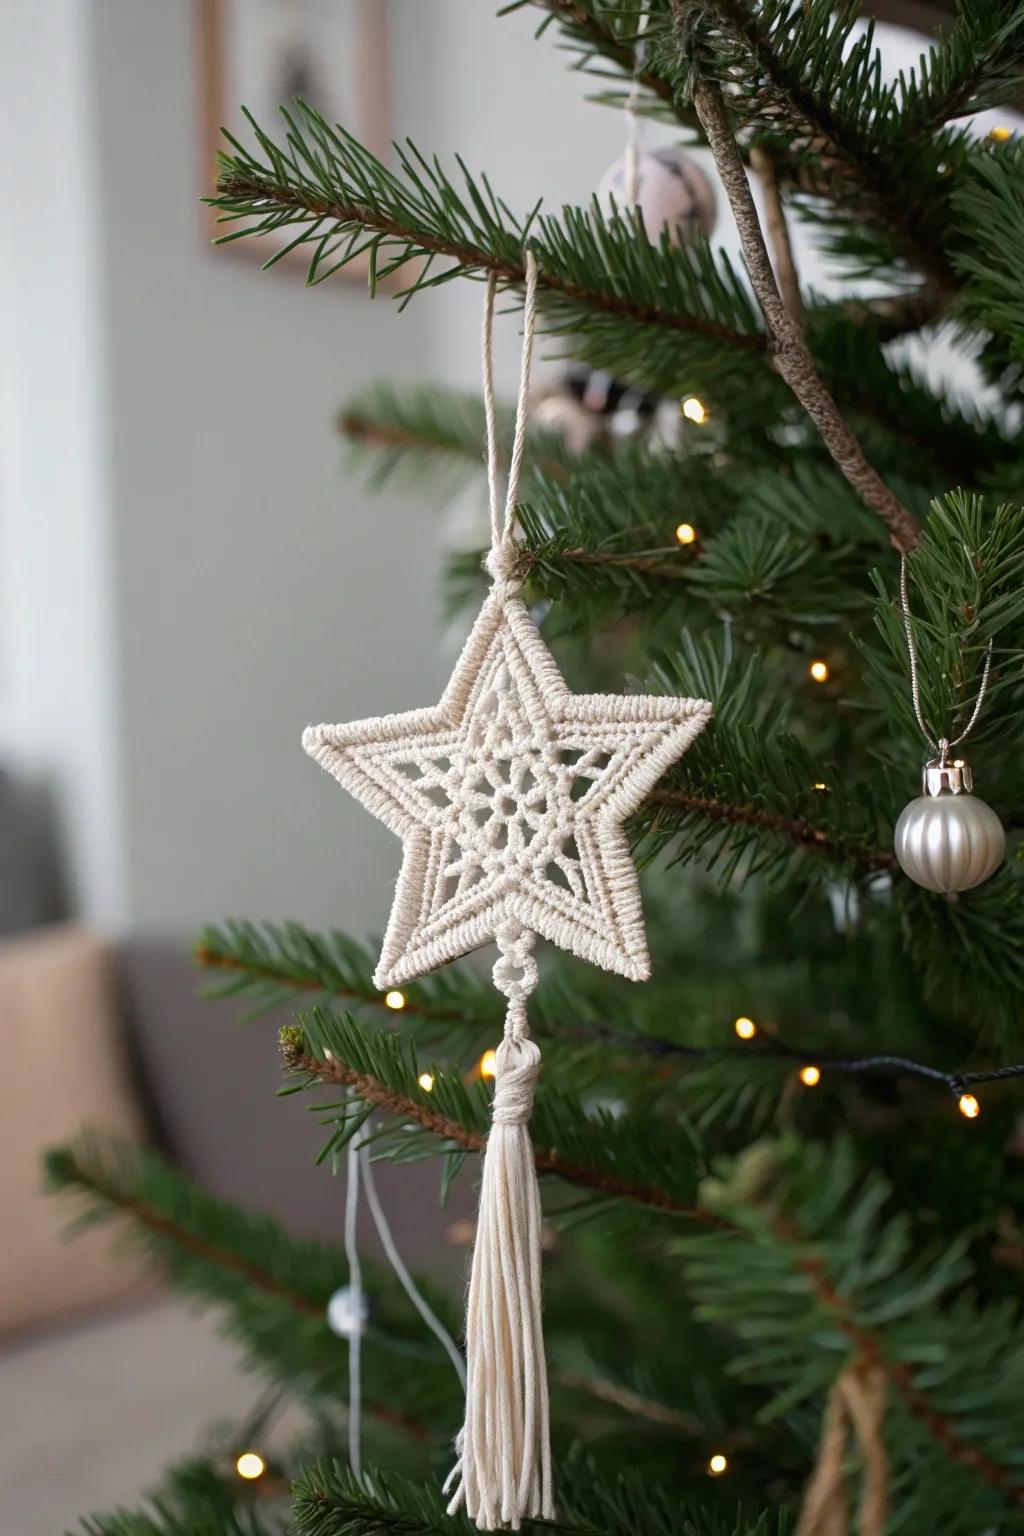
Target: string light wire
x=883 y=1065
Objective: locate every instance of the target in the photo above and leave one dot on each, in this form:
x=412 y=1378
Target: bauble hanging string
x=947 y=839
x=666 y=185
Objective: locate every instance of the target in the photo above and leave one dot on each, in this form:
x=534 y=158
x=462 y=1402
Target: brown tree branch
x=548 y=1159
x=220 y=960
x=248 y=188
x=791 y=354
x=763 y=166
x=842 y=159
x=892 y=315
x=804 y=833
x=670 y=568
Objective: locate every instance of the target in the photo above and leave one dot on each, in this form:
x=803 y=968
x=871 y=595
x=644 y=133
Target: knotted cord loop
x=504 y=554
x=515 y=976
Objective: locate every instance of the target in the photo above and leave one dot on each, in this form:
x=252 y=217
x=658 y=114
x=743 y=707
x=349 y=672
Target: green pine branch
x=268 y=963
x=776 y=552
x=163 y=1519
x=799 y=79
x=824 y=1275
x=835 y=127
x=966 y=590
x=648 y=311
x=918 y=438
x=329 y=1501
x=750 y=797
x=271 y=1289
x=989 y=204
x=202 y=1496
x=646 y=1163
x=969 y=953
x=604 y=39
x=408 y=433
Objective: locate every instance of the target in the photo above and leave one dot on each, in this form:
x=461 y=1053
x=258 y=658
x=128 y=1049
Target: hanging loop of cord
x=939 y=744
x=632 y=115
x=501 y=560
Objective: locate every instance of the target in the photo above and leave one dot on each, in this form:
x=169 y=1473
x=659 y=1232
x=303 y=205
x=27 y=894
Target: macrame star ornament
x=509 y=797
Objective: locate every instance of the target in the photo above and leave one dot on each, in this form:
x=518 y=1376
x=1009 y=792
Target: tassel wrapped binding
x=504 y=1468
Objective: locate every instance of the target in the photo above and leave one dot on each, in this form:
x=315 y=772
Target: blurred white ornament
x=670 y=191
x=948 y=840
x=348 y=1312
x=567 y=418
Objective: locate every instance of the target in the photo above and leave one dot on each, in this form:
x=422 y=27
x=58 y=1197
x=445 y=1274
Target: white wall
x=257 y=587
x=57 y=658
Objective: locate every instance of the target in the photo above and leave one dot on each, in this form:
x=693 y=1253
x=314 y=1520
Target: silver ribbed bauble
x=948 y=840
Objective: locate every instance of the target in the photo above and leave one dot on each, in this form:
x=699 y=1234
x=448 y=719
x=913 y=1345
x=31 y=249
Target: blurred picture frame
x=262 y=53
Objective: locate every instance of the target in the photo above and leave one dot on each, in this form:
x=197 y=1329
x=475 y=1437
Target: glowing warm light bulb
x=810 y=1076
x=969 y=1106
x=717 y=1464
x=1000 y=133
x=821 y=787
x=488 y=1064
x=686 y=533
x=395 y=1000
x=819 y=671
x=745 y=1028
x=250 y=1465
x=693 y=409
x=426 y=1081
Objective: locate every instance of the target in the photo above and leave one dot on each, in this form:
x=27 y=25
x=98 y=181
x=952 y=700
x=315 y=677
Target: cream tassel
x=504 y=1468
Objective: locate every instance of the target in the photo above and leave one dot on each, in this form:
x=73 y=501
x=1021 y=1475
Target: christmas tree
x=780 y=1179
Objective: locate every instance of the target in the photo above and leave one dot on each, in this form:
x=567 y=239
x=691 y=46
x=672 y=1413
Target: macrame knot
x=500 y=564
x=516 y=1070
x=515 y=970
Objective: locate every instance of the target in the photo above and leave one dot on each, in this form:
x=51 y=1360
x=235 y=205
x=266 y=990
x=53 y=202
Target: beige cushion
x=63 y=1067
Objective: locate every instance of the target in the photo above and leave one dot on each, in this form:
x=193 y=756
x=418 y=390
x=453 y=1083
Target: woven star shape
x=509 y=797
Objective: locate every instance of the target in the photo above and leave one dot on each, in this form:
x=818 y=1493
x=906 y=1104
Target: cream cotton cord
x=504 y=1468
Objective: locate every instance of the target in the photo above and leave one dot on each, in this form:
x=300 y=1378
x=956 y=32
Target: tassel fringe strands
x=505 y=1465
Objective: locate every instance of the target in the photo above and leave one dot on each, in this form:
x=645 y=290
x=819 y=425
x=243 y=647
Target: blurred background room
x=190 y=572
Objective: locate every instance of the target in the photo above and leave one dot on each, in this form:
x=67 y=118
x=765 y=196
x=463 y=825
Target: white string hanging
x=502 y=557
x=355 y=1332
x=405 y=1279
x=634 y=121
x=360 y=1176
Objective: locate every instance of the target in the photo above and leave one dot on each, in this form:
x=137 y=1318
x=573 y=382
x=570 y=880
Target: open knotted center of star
x=506 y=794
